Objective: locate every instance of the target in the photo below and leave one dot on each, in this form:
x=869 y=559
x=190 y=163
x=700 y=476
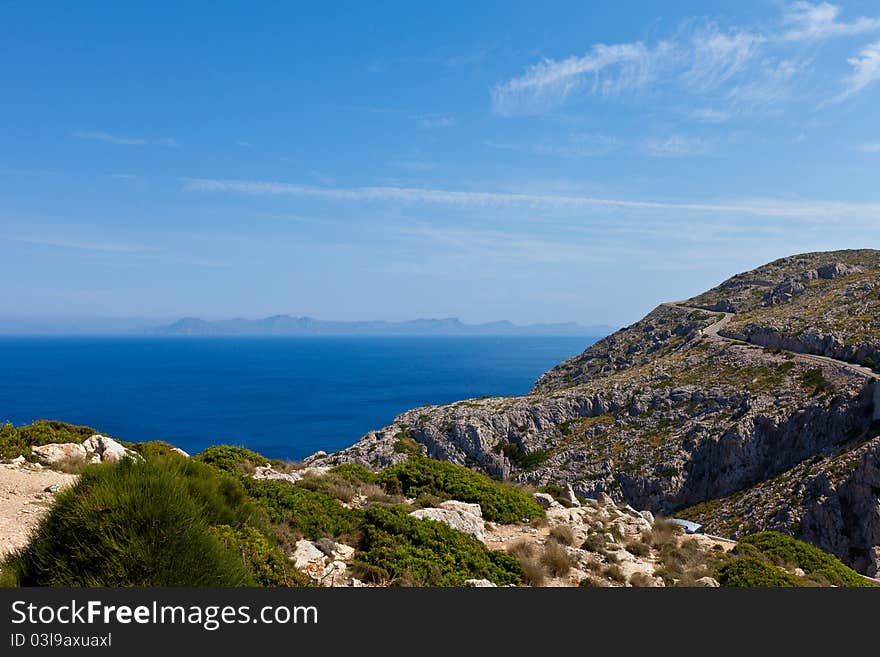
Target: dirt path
x=24 y=499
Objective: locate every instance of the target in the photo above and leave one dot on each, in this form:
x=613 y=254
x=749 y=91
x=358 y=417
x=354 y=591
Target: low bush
x=267 y=564
x=562 y=534
x=232 y=459
x=500 y=502
x=128 y=524
x=355 y=473
x=17 y=441
x=556 y=559
x=413 y=551
x=533 y=571
x=751 y=572
x=784 y=550
x=313 y=514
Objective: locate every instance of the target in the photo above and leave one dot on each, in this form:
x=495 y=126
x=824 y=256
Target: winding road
x=713 y=333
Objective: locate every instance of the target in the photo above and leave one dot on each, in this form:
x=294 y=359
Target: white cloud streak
x=608 y=70
x=751 y=66
x=99 y=135
x=806 y=209
x=866 y=72
x=807 y=21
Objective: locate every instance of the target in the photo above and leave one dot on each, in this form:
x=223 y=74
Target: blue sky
x=528 y=161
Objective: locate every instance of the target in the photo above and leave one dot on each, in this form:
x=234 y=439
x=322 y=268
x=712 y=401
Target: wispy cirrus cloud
x=713 y=57
x=797 y=209
x=607 y=70
x=870 y=147
x=808 y=21
x=703 y=59
x=865 y=72
x=100 y=135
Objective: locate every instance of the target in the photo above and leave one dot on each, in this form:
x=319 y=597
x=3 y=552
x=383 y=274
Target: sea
x=283 y=397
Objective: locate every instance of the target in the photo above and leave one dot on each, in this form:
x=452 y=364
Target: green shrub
x=751 y=572
x=816 y=380
x=314 y=514
x=154 y=448
x=267 y=564
x=355 y=473
x=524 y=460
x=413 y=551
x=787 y=551
x=499 y=502
x=127 y=524
x=17 y=441
x=232 y=459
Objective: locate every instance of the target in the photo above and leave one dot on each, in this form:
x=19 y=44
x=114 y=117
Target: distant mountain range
x=307 y=326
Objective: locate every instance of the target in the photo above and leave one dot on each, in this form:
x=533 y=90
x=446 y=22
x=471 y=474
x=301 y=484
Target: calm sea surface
x=283 y=397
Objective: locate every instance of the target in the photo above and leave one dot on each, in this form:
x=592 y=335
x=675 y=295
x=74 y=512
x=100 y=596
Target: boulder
x=604 y=499
x=571 y=498
x=56 y=453
x=648 y=516
x=268 y=472
x=18 y=460
x=459 y=519
x=102 y=449
x=479 y=584
x=180 y=451
x=836 y=270
x=462 y=507
x=545 y=500
x=708 y=582
x=305 y=554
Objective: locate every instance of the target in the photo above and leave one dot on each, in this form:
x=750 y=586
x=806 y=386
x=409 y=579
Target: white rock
x=604 y=499
x=18 y=460
x=55 y=453
x=343 y=552
x=305 y=553
x=462 y=507
x=647 y=515
x=798 y=572
x=179 y=451
x=479 y=584
x=462 y=521
x=571 y=497
x=546 y=501
x=709 y=582
x=268 y=472
x=102 y=449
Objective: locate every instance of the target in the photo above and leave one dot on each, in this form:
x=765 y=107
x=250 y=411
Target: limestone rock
x=545 y=501
x=457 y=518
x=56 y=453
x=479 y=584
x=462 y=507
x=708 y=582
x=268 y=472
x=102 y=449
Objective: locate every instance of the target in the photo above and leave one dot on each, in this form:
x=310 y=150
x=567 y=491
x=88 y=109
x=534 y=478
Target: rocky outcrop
x=666 y=414
x=464 y=517
x=96 y=449
x=55 y=454
x=832 y=502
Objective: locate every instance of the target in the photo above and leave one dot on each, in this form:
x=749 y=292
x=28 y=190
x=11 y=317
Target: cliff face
x=699 y=400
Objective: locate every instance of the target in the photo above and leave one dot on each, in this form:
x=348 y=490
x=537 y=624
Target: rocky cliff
x=712 y=398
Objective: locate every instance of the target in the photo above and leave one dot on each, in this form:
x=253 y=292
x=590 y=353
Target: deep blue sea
x=283 y=397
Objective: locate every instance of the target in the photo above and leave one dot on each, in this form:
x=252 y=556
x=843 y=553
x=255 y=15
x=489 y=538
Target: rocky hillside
x=705 y=399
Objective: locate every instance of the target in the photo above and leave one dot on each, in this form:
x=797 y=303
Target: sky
x=535 y=162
